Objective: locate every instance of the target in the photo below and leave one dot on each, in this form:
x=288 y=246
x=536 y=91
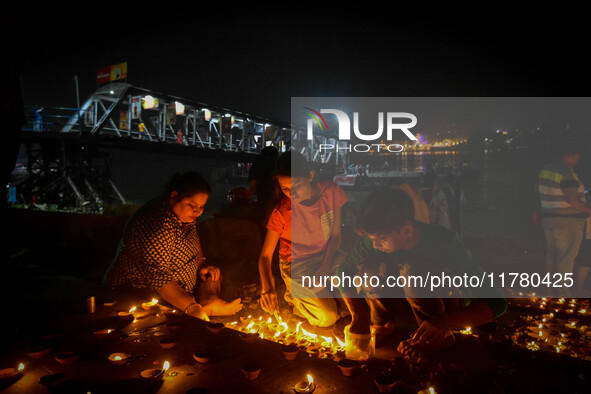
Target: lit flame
x=311 y=335
x=327 y=339
x=21 y=366
x=166 y=366
x=340 y=342
x=250 y=326
x=310 y=380
x=298 y=327
x=431 y=390
x=284 y=325
x=117 y=358
x=132 y=309
x=277 y=334
x=269 y=321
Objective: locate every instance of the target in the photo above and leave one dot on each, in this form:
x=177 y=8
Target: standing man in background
x=563 y=210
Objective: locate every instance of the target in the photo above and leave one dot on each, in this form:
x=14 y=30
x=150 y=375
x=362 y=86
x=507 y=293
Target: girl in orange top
x=307 y=225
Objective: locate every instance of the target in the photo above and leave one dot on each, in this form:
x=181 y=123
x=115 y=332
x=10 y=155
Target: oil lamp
x=154 y=373
x=150 y=305
x=126 y=314
x=118 y=358
x=305 y=386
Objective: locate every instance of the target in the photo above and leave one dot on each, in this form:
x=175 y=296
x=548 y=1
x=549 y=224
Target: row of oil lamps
x=292 y=338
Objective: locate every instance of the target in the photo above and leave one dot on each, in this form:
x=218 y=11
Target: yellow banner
x=118 y=71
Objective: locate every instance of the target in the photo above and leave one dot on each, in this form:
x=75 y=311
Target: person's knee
x=325 y=319
x=319 y=316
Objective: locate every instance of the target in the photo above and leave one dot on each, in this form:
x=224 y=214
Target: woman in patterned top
x=160 y=251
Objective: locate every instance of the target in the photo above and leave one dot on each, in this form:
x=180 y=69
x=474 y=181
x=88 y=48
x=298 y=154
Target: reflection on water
x=422 y=161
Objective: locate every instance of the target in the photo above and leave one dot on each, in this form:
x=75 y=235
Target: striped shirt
x=556 y=182
x=156 y=248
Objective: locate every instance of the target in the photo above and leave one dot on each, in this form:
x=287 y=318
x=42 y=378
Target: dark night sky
x=254 y=62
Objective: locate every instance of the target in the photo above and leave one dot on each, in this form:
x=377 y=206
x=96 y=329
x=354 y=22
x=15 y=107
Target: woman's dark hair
x=292 y=164
x=187 y=184
x=384 y=211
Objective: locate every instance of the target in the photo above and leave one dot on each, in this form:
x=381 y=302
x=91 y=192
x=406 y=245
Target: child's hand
x=269 y=301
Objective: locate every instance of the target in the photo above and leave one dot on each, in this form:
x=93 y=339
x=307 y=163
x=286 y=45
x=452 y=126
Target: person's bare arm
x=579 y=205
x=269 y=295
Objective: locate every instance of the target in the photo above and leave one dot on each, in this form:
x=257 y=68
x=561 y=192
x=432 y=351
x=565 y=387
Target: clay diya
x=202 y=356
x=118 y=358
x=67 y=357
x=215 y=327
x=128 y=314
x=245 y=319
x=154 y=373
x=384 y=382
x=290 y=352
x=249 y=337
x=348 y=366
x=305 y=386
x=52 y=380
x=168 y=343
x=39 y=352
x=150 y=304
x=105 y=333
x=251 y=370
x=9 y=374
